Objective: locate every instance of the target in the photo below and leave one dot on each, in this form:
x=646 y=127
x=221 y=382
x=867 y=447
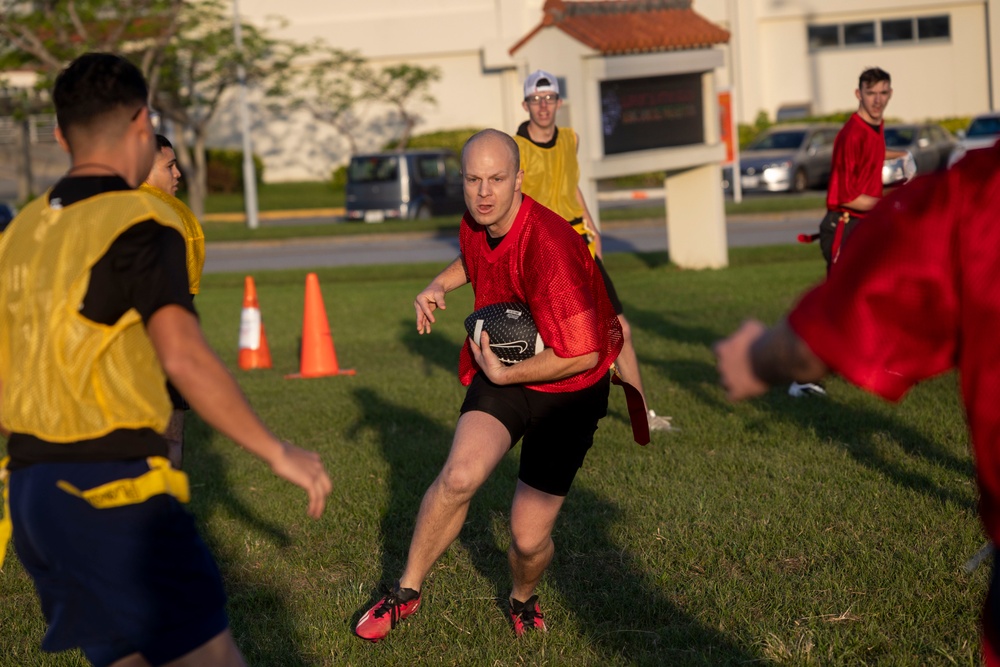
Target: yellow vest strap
x=160 y=479
x=6 y=528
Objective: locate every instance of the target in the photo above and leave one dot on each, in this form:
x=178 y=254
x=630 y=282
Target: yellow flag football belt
x=161 y=479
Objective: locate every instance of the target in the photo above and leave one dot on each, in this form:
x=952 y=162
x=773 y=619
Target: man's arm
x=432 y=297
x=543 y=367
x=205 y=382
x=861 y=203
x=3 y=432
x=588 y=222
x=755 y=357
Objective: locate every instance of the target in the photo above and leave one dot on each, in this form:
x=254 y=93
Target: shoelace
x=528 y=614
x=390 y=605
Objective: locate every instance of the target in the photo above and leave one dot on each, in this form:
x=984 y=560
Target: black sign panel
x=656 y=112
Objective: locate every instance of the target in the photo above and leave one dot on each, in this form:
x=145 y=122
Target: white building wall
x=480 y=85
x=931 y=80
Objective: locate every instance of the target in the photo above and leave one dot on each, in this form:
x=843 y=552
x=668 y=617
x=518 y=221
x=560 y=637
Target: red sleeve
x=887 y=317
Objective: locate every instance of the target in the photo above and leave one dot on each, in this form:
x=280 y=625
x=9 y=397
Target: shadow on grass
x=856 y=429
x=250 y=597
x=606 y=593
x=432 y=349
x=860 y=432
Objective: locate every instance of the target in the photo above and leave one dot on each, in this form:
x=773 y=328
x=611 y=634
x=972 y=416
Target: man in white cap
x=552 y=178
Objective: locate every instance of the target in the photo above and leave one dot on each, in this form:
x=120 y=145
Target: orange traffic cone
x=318 y=356
x=254 y=352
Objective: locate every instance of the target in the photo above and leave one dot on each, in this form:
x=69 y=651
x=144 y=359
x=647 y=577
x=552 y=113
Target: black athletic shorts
x=557 y=429
x=609 y=286
x=828 y=232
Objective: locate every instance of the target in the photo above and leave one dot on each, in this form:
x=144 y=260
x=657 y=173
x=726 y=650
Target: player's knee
x=527 y=542
x=626 y=328
x=457 y=483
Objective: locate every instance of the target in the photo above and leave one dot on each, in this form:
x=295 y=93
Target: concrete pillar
x=696 y=219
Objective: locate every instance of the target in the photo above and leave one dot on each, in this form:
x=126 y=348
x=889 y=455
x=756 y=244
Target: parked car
x=928 y=143
x=7 y=213
x=982 y=132
x=786 y=158
x=404 y=185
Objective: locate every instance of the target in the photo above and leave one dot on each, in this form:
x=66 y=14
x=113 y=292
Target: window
x=934 y=27
x=897 y=30
x=859 y=33
x=824 y=36
x=891 y=31
x=429 y=168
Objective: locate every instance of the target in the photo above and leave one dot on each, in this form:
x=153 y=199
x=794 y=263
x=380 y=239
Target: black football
x=513 y=334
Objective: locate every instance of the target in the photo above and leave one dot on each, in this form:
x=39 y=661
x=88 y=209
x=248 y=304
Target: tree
x=402 y=87
x=54 y=32
x=328 y=84
x=199 y=66
x=185 y=49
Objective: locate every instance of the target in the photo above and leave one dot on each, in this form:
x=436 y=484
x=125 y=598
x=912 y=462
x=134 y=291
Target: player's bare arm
x=861 y=203
x=755 y=357
x=432 y=296
x=543 y=367
x=588 y=222
x=203 y=380
x=4 y=432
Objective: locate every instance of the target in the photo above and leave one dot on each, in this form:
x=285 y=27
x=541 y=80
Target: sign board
x=726 y=125
x=652 y=112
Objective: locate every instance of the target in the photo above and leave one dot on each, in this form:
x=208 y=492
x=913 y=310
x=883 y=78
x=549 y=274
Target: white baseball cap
x=540 y=81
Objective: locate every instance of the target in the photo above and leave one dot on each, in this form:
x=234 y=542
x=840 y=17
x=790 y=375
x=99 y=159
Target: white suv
x=983 y=132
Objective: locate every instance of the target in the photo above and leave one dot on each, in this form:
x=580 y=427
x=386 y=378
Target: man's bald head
x=491 y=171
x=492 y=136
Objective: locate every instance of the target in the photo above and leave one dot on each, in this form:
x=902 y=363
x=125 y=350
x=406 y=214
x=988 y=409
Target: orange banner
x=726 y=121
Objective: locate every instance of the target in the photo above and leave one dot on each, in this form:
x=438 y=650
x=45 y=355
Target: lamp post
x=249 y=173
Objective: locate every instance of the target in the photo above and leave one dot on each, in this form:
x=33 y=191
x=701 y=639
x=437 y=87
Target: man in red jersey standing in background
x=513 y=249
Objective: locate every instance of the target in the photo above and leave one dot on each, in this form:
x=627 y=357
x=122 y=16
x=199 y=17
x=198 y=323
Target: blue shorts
x=117 y=581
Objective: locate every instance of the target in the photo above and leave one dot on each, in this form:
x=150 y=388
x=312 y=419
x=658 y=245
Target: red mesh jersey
x=858 y=154
x=542 y=262
x=918 y=294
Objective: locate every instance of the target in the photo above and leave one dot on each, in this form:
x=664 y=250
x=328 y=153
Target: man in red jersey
x=513 y=249
x=918 y=294
x=858 y=154
x=855 y=176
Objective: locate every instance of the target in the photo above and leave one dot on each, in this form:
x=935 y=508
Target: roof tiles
x=615 y=27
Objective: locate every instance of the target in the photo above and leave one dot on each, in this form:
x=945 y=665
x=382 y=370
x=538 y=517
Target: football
x=513 y=334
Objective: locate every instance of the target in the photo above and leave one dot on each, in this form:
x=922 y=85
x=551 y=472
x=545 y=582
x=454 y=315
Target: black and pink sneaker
x=387 y=612
x=527 y=616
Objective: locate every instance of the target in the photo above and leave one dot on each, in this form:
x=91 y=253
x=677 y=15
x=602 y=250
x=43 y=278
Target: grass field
x=780 y=531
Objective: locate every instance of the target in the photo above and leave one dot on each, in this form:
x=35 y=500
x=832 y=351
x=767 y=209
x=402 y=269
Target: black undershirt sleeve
x=145 y=268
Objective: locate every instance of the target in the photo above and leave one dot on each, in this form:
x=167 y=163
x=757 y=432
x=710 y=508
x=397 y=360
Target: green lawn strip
x=305 y=196
x=789 y=531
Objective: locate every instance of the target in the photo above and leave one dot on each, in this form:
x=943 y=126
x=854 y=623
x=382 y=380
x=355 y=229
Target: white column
x=696 y=219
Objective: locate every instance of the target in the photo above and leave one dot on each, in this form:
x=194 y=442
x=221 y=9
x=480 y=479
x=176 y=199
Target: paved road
x=638 y=236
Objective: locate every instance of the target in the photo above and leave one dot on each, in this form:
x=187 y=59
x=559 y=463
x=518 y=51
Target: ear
x=524 y=105
x=518 y=179
x=61 y=139
x=857 y=93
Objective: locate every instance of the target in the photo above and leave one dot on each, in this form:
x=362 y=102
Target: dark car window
x=984 y=127
x=778 y=141
x=429 y=168
x=6 y=215
x=452 y=168
x=899 y=137
x=376 y=169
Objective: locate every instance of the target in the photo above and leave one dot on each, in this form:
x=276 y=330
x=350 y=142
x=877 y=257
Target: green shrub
x=224 y=170
x=453 y=139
